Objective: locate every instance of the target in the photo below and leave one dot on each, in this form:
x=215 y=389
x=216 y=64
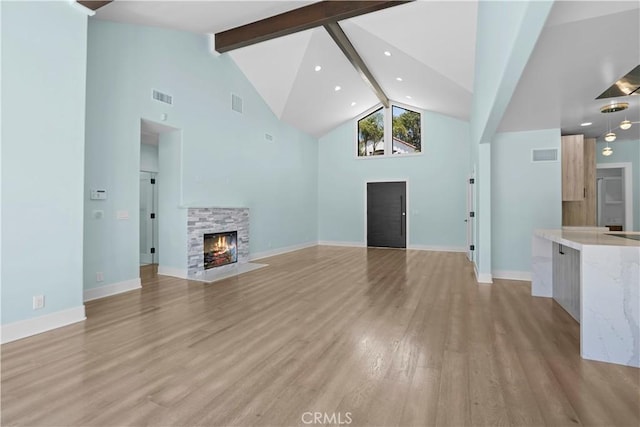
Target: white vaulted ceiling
x=583 y=49
x=432 y=45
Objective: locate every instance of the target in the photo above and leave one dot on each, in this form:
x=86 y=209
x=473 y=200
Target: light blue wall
x=482 y=253
x=436 y=189
x=148 y=158
x=498 y=24
x=225 y=158
x=506 y=35
x=507 y=32
x=172 y=223
x=626 y=151
x=524 y=195
x=43 y=101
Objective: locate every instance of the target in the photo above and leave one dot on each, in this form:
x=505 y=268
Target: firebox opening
x=220 y=249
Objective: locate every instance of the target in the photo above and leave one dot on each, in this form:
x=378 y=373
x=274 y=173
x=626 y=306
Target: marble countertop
x=576 y=239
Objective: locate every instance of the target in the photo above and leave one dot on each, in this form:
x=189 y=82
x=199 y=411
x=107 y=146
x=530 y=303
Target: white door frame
x=627 y=175
x=152 y=227
x=469 y=219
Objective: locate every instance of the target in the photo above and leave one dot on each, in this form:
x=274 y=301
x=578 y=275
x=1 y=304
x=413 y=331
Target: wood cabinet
x=572 y=168
x=578 y=181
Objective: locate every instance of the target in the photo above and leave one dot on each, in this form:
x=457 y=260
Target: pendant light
x=610 y=136
x=625 y=124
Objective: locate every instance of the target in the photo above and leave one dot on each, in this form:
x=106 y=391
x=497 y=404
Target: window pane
x=406 y=131
x=371 y=134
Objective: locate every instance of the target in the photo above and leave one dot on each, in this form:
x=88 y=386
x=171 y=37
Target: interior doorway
x=387 y=214
x=160 y=196
x=614 y=194
x=149 y=169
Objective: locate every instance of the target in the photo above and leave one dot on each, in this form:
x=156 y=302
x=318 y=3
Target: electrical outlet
x=38 y=302
x=99 y=276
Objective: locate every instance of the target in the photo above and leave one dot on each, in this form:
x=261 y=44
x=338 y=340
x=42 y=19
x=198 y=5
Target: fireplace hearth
x=220 y=249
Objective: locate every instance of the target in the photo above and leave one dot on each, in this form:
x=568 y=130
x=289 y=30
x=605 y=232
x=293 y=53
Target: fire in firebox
x=220 y=249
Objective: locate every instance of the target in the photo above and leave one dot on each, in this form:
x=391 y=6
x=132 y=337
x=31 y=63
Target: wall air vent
x=236 y=103
x=162 y=97
x=544 y=155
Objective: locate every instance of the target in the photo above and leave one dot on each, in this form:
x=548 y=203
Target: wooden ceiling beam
x=94 y=4
x=296 y=20
x=345 y=45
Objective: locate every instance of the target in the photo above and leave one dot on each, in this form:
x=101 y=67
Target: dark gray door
x=386 y=214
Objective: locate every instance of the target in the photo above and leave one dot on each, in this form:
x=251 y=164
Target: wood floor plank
x=391 y=337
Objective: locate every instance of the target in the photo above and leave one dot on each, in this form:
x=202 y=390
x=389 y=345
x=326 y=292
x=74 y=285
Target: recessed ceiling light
x=337 y=88
x=408 y=96
x=399 y=79
x=387 y=53
x=318 y=68
x=586 y=124
x=353 y=104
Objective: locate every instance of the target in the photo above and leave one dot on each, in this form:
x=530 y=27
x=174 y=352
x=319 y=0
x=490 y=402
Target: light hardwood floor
x=391 y=337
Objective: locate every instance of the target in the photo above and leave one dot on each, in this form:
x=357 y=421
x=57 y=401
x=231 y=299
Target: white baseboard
x=482 y=277
x=346 y=244
x=512 y=275
x=112 y=289
x=173 y=272
x=414 y=247
x=280 y=251
x=26 y=328
x=438 y=248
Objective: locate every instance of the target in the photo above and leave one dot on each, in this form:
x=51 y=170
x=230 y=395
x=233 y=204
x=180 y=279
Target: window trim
x=388 y=131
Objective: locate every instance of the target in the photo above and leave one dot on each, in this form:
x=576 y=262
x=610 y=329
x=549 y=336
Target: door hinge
x=153 y=250
x=472 y=181
x=153 y=180
x=472 y=247
x=472 y=214
x=153 y=216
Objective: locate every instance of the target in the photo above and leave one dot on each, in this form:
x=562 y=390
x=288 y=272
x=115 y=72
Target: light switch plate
x=122 y=214
x=98 y=194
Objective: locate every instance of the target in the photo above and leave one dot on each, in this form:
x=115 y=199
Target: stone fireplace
x=220 y=249
x=227 y=233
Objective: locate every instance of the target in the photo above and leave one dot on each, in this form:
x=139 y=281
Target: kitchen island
x=595 y=276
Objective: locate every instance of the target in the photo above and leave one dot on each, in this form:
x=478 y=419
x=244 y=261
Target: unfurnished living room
x=275 y=213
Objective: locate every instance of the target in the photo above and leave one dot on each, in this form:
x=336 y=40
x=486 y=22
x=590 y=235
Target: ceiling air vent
x=544 y=155
x=236 y=103
x=162 y=97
